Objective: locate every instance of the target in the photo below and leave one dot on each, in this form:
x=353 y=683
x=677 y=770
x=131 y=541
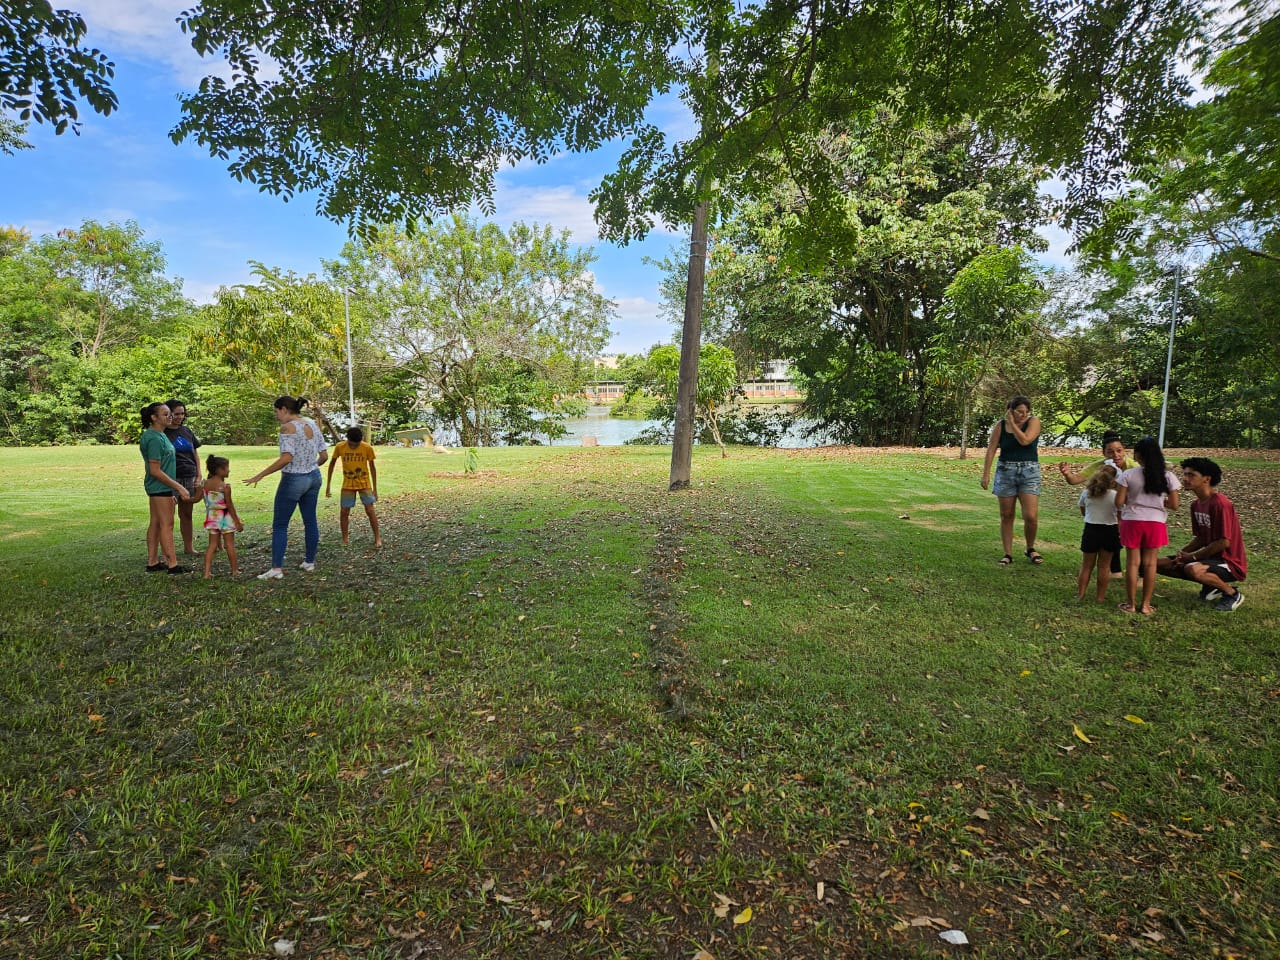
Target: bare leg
x=1104 y=573
x=1086 y=571
x=373 y=523
x=153 y=532
x=162 y=526
x=1030 y=503
x=210 y=550
x=1149 y=557
x=1007 y=505
x=344 y=522
x=229 y=541
x=1132 y=561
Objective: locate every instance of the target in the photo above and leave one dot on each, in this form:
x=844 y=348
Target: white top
x=1101 y=509
x=1140 y=505
x=305 y=450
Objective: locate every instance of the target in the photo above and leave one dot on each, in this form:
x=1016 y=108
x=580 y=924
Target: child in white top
x=1101 y=537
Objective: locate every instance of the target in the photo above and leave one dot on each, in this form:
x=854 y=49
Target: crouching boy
x=1215 y=556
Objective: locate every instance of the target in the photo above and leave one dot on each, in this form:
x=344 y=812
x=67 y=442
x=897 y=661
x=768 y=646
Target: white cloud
x=562 y=207
x=147 y=29
x=638 y=326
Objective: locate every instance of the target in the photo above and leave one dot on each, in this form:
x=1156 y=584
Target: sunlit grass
x=565 y=713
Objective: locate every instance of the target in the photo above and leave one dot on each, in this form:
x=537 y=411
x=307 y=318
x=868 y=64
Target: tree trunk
x=690 y=344
x=964 y=430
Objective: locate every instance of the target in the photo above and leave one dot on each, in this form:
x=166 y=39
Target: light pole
x=351 y=382
x=1168 y=363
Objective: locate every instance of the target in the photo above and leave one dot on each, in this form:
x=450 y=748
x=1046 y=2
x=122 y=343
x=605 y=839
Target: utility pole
x=1168 y=362
x=351 y=380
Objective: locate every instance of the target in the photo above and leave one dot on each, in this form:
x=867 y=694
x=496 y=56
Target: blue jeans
x=301 y=490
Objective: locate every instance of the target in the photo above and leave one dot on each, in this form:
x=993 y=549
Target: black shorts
x=1098 y=537
x=1218 y=567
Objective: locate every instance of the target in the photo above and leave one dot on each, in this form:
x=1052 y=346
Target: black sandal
x=1006 y=560
x=1034 y=556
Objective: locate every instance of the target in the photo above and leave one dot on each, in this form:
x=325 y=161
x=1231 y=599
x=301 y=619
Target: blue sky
x=124 y=167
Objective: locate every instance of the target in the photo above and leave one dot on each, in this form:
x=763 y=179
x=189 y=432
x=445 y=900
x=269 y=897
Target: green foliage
x=659 y=377
x=284 y=334
x=848 y=284
x=12 y=136
x=988 y=310
x=107 y=285
x=43 y=68
x=395 y=114
x=392 y=121
x=492 y=326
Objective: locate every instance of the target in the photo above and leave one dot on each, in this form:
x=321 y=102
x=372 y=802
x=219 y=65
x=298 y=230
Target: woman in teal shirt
x=161 y=462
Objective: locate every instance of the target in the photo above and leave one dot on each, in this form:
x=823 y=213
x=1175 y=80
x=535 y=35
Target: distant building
x=776 y=370
x=606 y=363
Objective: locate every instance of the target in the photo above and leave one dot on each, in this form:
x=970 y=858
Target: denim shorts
x=1014 y=477
x=348 y=498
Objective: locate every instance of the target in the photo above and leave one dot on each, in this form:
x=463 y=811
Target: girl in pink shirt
x=1146 y=493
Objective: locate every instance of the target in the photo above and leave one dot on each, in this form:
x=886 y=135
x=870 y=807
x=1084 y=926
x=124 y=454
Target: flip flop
x=1006 y=560
x=1034 y=556
x=1125 y=607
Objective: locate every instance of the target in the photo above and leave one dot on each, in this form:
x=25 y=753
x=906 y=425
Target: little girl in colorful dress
x=1101 y=538
x=220 y=517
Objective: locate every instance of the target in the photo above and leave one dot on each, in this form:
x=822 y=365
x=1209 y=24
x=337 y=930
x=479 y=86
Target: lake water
x=615 y=431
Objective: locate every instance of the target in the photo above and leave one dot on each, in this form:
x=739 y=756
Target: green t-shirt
x=156 y=446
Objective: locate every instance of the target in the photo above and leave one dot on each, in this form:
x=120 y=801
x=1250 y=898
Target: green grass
x=566 y=713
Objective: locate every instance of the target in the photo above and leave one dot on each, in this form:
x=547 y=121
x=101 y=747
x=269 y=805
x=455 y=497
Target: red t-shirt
x=1215 y=518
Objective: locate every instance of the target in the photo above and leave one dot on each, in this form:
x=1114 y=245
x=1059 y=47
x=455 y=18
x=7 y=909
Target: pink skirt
x=1143 y=534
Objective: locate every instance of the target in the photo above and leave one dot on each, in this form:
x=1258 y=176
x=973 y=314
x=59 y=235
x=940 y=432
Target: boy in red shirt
x=1215 y=556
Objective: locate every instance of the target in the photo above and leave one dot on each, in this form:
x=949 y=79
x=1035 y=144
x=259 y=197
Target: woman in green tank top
x=1017 y=479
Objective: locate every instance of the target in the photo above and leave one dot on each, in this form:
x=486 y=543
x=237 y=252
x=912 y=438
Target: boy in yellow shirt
x=359 y=478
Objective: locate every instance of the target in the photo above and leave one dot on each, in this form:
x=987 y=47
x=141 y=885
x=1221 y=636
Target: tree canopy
x=44 y=70
x=491 y=325
x=394 y=112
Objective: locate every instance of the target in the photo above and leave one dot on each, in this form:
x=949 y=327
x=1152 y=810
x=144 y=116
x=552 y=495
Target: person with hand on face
x=302 y=451
x=161 y=487
x=185 y=443
x=1017 y=479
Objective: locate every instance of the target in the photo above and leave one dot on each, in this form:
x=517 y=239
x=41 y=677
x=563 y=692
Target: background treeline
x=894 y=264
x=461 y=325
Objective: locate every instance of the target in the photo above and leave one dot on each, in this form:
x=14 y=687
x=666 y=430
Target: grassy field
x=795 y=711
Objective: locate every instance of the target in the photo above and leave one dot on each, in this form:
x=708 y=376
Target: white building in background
x=776 y=370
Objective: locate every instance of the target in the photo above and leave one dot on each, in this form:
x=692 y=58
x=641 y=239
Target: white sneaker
x=272 y=574
x=306 y=566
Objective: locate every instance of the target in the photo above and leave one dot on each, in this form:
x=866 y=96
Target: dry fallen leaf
x=1132 y=719
x=1080 y=734
x=743 y=917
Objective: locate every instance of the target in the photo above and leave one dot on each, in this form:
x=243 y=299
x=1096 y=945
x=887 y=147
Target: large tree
x=284 y=334
x=113 y=284
x=849 y=283
x=396 y=112
x=489 y=323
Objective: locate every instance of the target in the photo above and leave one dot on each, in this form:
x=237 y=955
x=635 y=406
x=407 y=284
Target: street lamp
x=1168 y=363
x=351 y=382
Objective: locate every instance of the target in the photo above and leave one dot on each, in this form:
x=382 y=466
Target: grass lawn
x=795 y=711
